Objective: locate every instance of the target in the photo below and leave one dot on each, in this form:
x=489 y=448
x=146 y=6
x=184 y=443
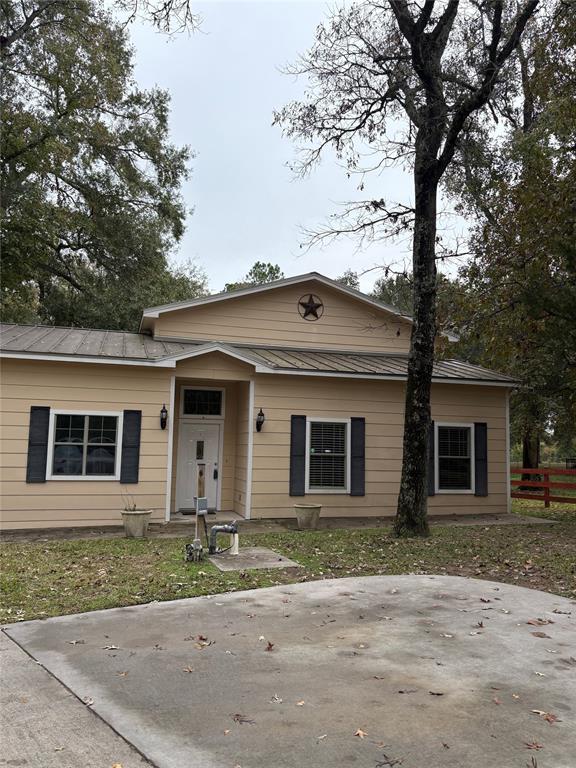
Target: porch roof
x=100 y=346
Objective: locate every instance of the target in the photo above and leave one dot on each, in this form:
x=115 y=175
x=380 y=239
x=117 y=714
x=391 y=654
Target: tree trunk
x=411 y=519
x=530 y=454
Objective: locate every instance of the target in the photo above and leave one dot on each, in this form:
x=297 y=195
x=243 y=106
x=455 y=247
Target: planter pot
x=136 y=522
x=307 y=516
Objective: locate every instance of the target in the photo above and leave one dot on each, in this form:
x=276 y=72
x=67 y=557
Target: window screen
x=327 y=465
x=454 y=458
x=84 y=445
x=202 y=402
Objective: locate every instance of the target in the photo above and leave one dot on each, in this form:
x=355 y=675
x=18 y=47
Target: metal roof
x=319 y=361
x=48 y=342
x=85 y=342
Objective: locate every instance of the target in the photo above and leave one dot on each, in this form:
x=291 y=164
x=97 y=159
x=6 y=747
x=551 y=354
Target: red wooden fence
x=544 y=484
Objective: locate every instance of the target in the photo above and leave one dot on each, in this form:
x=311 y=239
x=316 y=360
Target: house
x=257 y=399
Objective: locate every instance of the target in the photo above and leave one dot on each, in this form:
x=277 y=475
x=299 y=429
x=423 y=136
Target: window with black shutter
x=328 y=455
x=84 y=445
x=454 y=457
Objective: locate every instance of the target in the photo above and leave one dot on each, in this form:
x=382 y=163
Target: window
x=202 y=402
x=84 y=445
x=454 y=457
x=328 y=455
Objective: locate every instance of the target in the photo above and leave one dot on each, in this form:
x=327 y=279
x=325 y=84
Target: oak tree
x=400 y=80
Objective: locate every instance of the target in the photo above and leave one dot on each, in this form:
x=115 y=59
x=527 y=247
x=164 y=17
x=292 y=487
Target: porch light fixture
x=163 y=417
x=260 y=419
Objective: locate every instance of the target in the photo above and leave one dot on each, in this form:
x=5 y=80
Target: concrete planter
x=136 y=522
x=307 y=516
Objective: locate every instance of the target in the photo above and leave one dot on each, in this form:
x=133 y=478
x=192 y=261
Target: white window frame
x=199 y=416
x=465 y=491
x=98 y=478
x=329 y=420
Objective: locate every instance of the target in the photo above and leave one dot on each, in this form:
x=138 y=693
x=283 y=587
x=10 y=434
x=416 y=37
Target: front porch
x=211 y=441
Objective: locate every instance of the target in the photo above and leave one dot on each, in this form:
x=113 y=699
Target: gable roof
x=154 y=312
x=81 y=345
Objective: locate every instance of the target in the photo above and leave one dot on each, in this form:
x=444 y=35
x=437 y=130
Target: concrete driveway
x=411 y=671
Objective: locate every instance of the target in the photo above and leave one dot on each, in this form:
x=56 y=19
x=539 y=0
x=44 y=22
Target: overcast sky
x=225 y=82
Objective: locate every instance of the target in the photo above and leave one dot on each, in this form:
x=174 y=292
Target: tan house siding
x=272 y=318
x=87 y=388
x=244 y=424
x=382 y=405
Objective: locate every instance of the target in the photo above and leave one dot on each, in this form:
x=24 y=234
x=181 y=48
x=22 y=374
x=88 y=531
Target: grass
x=50 y=579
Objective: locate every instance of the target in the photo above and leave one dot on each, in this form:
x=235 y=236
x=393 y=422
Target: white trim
x=467 y=491
x=507 y=448
x=155 y=312
x=170 y=448
x=328 y=420
x=164 y=362
x=249 y=465
x=50 y=457
x=170 y=362
x=199 y=416
x=384 y=377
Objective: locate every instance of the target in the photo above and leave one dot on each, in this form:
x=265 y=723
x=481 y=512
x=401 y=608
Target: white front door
x=198 y=470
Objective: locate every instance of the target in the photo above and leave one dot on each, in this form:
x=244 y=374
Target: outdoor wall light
x=163 y=417
x=260 y=419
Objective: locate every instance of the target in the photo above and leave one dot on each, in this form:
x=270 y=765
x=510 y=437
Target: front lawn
x=50 y=579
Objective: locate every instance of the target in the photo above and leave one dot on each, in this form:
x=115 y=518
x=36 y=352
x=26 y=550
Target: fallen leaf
x=360 y=733
x=270 y=646
x=110 y=648
x=188 y=669
x=202 y=638
x=548 y=716
x=485 y=600
x=261 y=639
x=539 y=622
x=446 y=746
x=496 y=700
x=300 y=703
x=408 y=690
x=242 y=719
x=566 y=613
x=88 y=701
x=58 y=749
x=76 y=642
x=445 y=634
x=117 y=765
x=515 y=696
x=541 y=634
x=540 y=674
x=378 y=677
x=227 y=731
x=121 y=674
x=533 y=745
x=435 y=693
x=322 y=737
x=276 y=699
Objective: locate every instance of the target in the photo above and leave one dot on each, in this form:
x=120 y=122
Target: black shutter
x=431 y=461
x=38 y=444
x=130 y=446
x=358 y=455
x=297 y=455
x=481 y=459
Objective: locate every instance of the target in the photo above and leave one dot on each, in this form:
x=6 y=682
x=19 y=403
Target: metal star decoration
x=311 y=307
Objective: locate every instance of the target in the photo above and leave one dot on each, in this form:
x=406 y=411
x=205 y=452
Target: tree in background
x=428 y=67
x=519 y=189
x=261 y=272
x=350 y=279
x=91 y=184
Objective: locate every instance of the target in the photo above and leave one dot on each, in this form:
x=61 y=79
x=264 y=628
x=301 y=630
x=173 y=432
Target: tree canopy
x=261 y=272
x=91 y=183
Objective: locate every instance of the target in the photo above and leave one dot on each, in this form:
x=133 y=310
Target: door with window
x=198 y=470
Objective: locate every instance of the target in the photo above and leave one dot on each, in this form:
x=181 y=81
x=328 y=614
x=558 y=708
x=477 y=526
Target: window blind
x=454 y=459
x=327 y=466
